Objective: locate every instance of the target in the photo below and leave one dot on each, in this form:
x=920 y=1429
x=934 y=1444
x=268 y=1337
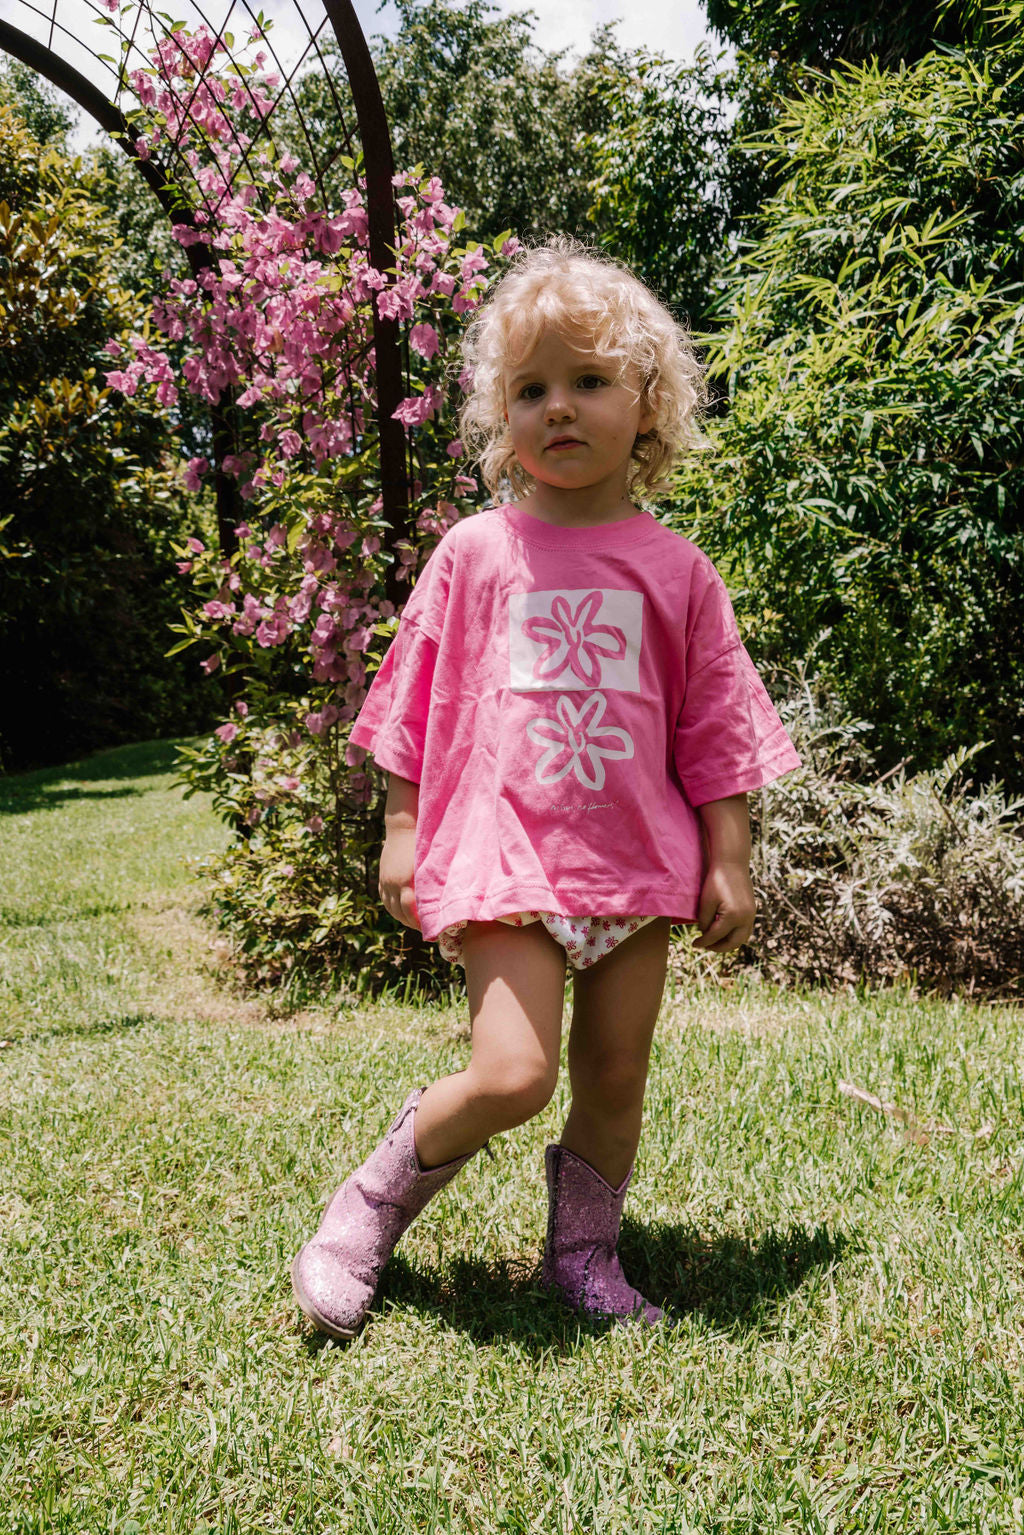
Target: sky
x=671 y=27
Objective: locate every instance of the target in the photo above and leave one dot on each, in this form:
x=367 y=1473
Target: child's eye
x=531 y=392
x=592 y=381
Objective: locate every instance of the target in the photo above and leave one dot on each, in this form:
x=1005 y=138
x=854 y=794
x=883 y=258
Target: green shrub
x=861 y=877
x=295 y=892
x=871 y=878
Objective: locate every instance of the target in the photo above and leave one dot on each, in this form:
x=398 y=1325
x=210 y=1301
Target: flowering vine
x=280 y=321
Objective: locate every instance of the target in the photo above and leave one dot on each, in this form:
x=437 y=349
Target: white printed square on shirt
x=585 y=638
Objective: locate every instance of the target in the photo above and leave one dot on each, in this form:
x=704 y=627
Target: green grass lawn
x=851 y=1290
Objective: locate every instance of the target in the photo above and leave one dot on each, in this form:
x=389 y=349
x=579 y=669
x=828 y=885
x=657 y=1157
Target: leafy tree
x=144 y=249
x=818 y=33
x=87 y=584
x=676 y=181
x=867 y=488
x=44 y=112
x=508 y=129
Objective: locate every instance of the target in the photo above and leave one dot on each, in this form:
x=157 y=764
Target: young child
x=570 y=725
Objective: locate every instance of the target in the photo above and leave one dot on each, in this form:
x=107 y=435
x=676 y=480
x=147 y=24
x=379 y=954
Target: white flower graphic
x=577 y=740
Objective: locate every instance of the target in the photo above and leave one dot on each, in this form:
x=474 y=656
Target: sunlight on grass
x=849 y=1350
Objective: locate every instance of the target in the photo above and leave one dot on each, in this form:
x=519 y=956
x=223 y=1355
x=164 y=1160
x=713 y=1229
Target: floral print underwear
x=584 y=939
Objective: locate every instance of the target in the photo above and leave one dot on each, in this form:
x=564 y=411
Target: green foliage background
x=865 y=496
x=88 y=481
x=838 y=212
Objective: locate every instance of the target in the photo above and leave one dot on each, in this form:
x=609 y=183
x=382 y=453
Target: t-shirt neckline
x=602 y=535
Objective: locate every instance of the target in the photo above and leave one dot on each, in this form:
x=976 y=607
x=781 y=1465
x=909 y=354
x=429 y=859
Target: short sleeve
x=728 y=738
x=392 y=724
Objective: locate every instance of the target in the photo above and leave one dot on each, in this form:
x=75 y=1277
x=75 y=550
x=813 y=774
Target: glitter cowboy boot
x=580 y=1258
x=335 y=1274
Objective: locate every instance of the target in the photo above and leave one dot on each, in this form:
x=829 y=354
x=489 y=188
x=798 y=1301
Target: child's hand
x=725 y=913
x=397 y=861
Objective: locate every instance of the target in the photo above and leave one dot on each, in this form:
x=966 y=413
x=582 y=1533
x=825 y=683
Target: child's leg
x=515 y=979
x=615 y=1009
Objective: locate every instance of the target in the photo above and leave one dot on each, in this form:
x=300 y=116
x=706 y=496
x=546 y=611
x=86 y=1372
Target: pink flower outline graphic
x=574 y=640
x=577 y=741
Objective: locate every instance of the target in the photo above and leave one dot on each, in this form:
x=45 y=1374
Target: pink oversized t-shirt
x=565 y=697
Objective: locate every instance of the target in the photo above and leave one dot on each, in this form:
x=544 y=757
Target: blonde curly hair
x=579 y=292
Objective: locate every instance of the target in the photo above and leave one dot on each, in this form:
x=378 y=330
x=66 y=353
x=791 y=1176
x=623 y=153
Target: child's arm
x=397 y=859
x=725 y=913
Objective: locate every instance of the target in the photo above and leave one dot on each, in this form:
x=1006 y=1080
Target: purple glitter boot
x=335 y=1274
x=580 y=1259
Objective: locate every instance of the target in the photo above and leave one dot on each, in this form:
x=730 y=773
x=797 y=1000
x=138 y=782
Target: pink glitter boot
x=335 y=1274
x=580 y=1257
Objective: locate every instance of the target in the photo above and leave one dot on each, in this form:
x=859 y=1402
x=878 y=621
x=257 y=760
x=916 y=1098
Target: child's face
x=573 y=419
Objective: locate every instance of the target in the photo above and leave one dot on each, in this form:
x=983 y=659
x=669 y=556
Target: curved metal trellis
x=53 y=45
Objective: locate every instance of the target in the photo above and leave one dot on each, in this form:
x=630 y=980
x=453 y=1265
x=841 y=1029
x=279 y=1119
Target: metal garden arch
x=98 y=94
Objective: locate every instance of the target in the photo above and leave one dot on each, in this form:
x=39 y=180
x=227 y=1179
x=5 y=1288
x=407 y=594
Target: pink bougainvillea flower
x=274 y=629
x=455 y=448
x=424 y=339
x=196 y=545
x=418 y=408
x=322 y=719
x=473 y=262
x=573 y=639
x=210 y=664
x=227 y=732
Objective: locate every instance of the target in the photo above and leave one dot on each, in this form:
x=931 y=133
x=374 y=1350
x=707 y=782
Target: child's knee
x=516 y=1092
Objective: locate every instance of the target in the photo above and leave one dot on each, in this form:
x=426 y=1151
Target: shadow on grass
x=106 y=775
x=730 y=1281
x=119 y=1023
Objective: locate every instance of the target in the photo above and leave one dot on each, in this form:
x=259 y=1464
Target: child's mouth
x=564 y=442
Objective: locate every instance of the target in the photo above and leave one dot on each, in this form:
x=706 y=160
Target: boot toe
x=648 y=1314
x=334 y=1299
x=628 y=1305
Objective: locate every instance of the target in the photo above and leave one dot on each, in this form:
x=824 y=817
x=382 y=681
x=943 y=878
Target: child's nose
x=559 y=406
